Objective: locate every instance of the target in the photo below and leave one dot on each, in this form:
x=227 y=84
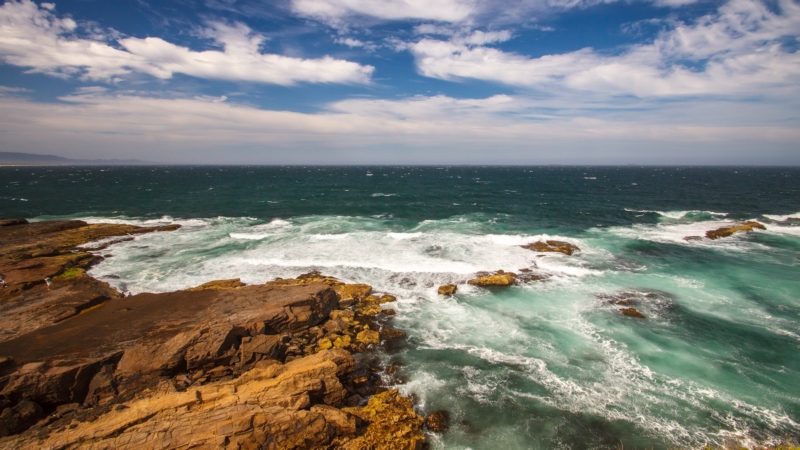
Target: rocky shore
x=287 y=364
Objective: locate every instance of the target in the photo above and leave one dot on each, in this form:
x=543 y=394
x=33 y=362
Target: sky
x=403 y=81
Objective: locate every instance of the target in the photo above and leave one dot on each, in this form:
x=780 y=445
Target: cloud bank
x=36 y=38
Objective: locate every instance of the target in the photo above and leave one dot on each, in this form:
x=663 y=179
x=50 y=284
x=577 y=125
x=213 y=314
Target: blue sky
x=403 y=81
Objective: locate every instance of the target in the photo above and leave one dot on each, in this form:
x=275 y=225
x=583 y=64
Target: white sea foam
x=783 y=218
x=250 y=236
x=378 y=194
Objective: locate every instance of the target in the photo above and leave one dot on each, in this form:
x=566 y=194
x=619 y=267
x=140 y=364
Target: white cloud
x=333 y=11
x=36 y=38
x=736 y=51
x=501 y=129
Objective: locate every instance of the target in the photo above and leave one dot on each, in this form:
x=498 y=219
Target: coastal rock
x=218 y=285
x=499 y=278
x=632 y=312
x=727 y=231
x=438 y=421
x=349 y=294
x=553 y=247
x=273 y=417
x=20 y=417
x=368 y=337
x=392 y=424
x=9 y=222
x=447 y=289
x=391 y=333
x=693 y=238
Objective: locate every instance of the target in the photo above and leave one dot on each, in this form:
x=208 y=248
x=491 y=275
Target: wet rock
x=387 y=298
x=10 y=222
x=632 y=312
x=499 y=278
x=553 y=247
x=391 y=333
x=447 y=289
x=218 y=285
x=438 y=421
x=746 y=227
x=693 y=238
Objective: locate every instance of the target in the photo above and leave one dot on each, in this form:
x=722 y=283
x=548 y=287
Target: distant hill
x=11 y=158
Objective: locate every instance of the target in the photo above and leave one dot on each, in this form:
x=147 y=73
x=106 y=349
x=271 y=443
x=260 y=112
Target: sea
x=548 y=364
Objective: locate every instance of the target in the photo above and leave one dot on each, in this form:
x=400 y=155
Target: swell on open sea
x=548 y=364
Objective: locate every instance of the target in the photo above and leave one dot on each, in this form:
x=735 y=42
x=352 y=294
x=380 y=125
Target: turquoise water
x=550 y=364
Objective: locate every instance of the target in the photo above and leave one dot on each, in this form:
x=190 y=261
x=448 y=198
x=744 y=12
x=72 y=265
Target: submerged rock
x=499 y=278
x=447 y=289
x=632 y=312
x=219 y=285
x=746 y=227
x=438 y=421
x=553 y=247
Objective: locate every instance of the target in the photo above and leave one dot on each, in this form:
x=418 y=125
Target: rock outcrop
x=632 y=312
x=553 y=247
x=447 y=289
x=438 y=421
x=496 y=279
x=220 y=365
x=746 y=227
x=33 y=252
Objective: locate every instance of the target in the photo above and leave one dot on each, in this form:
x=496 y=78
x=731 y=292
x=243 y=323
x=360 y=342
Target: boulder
x=632 y=312
x=391 y=333
x=392 y=424
x=499 y=278
x=368 y=337
x=438 y=421
x=20 y=417
x=10 y=222
x=553 y=247
x=746 y=227
x=447 y=289
x=349 y=294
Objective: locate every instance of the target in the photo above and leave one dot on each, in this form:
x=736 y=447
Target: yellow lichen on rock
x=349 y=294
x=447 y=289
x=368 y=337
x=499 y=278
x=746 y=227
x=393 y=424
x=553 y=247
x=218 y=285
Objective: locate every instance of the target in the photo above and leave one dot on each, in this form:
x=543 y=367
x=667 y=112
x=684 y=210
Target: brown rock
x=273 y=415
x=368 y=337
x=9 y=222
x=499 y=278
x=447 y=289
x=392 y=424
x=727 y=231
x=218 y=285
x=20 y=417
x=349 y=294
x=632 y=312
x=553 y=246
x=386 y=298
x=438 y=421
x=391 y=333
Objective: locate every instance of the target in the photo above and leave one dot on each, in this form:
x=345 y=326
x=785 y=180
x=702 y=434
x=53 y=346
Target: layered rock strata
x=221 y=365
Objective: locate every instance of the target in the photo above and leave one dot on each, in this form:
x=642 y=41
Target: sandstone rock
x=349 y=294
x=386 y=298
x=499 y=278
x=368 y=337
x=727 y=231
x=632 y=312
x=447 y=289
x=219 y=285
x=273 y=416
x=391 y=333
x=370 y=310
x=324 y=344
x=9 y=222
x=438 y=421
x=392 y=424
x=261 y=346
x=553 y=246
x=20 y=417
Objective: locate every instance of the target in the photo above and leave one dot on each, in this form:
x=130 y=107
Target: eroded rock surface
x=220 y=365
x=447 y=289
x=499 y=278
x=746 y=227
x=553 y=247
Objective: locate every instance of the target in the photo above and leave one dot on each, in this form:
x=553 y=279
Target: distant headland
x=32 y=159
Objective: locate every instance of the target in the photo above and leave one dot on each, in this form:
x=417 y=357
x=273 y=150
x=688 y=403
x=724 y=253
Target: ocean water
x=549 y=364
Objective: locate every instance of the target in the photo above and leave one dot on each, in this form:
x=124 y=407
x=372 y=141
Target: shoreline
x=166 y=364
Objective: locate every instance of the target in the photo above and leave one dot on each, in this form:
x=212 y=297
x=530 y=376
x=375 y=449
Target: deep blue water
x=550 y=364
